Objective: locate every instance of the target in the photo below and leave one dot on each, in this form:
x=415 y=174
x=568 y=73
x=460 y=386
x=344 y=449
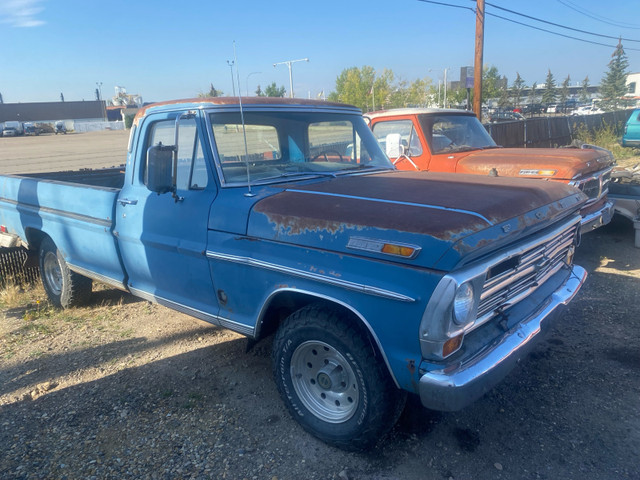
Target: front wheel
x=331 y=380
x=63 y=287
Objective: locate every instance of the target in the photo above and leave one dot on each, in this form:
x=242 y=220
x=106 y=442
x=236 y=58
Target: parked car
x=533 y=109
x=505 y=117
x=12 y=129
x=31 y=129
x=631 y=137
x=587 y=110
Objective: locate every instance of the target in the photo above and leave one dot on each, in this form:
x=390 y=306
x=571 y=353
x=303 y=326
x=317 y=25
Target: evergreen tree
x=584 y=92
x=516 y=90
x=272 y=90
x=259 y=92
x=614 y=84
x=549 y=94
x=564 y=91
x=213 y=92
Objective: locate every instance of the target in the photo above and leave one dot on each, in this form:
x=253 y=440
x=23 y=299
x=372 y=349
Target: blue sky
x=165 y=49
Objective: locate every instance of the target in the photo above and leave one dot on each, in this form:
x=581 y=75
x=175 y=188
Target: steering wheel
x=325 y=154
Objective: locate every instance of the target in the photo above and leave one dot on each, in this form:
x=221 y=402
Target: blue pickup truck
x=284 y=217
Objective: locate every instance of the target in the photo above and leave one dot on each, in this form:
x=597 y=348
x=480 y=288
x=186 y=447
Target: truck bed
x=75 y=209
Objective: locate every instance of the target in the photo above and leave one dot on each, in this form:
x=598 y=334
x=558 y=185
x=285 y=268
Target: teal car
x=631 y=137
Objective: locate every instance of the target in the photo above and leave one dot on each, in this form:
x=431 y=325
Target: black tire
x=331 y=380
x=63 y=287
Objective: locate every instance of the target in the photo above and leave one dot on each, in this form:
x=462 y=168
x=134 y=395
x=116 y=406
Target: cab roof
x=194 y=103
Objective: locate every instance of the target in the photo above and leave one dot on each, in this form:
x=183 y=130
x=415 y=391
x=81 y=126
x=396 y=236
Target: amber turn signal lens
x=399 y=250
x=451 y=345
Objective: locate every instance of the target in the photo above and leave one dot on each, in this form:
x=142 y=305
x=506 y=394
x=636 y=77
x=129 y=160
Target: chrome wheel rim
x=324 y=381
x=52 y=273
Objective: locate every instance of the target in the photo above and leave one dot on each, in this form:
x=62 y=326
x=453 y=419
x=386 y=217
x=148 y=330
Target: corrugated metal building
x=47 y=112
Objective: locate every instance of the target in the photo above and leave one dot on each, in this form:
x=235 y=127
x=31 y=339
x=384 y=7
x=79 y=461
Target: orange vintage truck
x=444 y=140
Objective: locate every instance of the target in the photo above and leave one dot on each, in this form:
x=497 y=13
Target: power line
x=559 y=25
x=534 y=27
x=449 y=5
x=556 y=33
x=596 y=17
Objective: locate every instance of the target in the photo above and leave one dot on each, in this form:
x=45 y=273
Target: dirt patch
x=127 y=389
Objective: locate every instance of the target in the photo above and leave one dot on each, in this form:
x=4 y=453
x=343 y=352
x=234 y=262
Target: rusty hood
x=510 y=162
x=447 y=216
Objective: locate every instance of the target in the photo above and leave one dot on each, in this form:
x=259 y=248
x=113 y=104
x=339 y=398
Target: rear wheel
x=331 y=380
x=63 y=287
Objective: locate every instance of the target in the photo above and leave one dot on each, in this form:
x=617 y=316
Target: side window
x=408 y=135
x=191 y=171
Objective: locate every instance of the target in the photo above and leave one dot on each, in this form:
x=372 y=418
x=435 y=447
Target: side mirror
x=393 y=145
x=158 y=176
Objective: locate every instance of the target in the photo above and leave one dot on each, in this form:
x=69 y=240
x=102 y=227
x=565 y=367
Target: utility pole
x=477 y=66
x=289 y=63
x=233 y=85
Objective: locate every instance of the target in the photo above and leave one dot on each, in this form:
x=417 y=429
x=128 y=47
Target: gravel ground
x=127 y=389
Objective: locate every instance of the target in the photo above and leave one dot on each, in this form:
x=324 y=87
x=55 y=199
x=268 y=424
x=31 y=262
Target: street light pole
x=104 y=111
x=289 y=63
x=233 y=85
x=252 y=73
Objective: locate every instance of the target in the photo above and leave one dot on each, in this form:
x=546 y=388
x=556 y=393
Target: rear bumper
x=457 y=385
x=598 y=218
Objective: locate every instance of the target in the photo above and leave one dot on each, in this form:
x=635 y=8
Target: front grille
x=594 y=186
x=512 y=280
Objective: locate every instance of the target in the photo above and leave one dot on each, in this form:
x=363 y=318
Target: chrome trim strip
x=358 y=287
x=53 y=211
x=97 y=276
x=333 y=300
x=193 y=312
x=452 y=387
x=379 y=200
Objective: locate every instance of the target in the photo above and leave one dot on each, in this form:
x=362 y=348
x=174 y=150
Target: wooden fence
x=553 y=131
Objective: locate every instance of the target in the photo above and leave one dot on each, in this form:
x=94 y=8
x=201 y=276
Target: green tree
x=213 y=92
x=492 y=83
x=584 y=92
x=549 y=94
x=259 y=92
x=564 y=90
x=517 y=89
x=356 y=86
x=614 y=84
x=272 y=90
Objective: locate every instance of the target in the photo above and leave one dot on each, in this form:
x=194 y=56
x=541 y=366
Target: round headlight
x=463 y=303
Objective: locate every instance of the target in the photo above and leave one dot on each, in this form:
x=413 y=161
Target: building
x=78 y=116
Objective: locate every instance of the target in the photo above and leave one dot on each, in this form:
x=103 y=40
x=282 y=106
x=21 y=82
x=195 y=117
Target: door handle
x=125 y=201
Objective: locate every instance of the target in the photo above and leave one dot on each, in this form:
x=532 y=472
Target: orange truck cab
x=446 y=140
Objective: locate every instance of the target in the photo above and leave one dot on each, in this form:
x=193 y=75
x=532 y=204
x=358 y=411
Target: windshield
x=455 y=133
x=293 y=144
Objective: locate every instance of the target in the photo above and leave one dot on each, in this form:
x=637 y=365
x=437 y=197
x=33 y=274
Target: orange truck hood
x=568 y=162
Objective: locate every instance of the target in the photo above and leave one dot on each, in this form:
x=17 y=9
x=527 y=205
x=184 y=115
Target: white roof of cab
x=413 y=111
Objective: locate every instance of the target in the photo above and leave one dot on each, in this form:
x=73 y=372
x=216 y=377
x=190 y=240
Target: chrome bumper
x=457 y=385
x=597 y=219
